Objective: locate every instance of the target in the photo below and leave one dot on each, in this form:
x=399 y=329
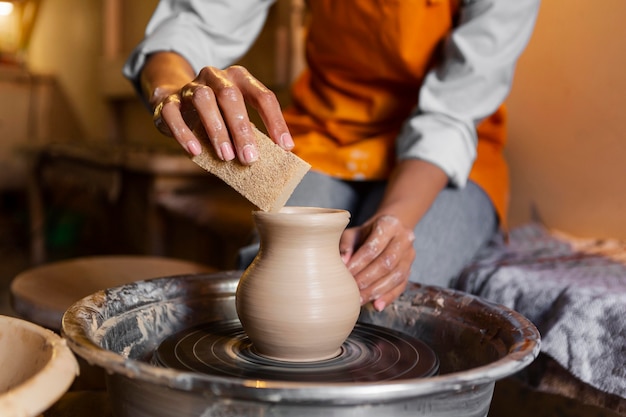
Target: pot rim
x=519 y=355
x=293 y=211
x=38 y=392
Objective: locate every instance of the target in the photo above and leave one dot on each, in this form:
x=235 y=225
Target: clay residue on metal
x=477 y=343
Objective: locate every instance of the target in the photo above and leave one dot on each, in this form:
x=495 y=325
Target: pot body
x=297 y=301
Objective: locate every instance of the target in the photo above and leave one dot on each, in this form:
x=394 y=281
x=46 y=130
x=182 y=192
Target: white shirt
x=472 y=81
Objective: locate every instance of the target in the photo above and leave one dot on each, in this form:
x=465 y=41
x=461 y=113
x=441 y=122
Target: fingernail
x=228 y=153
x=287 y=141
x=194 y=148
x=250 y=154
x=379 y=305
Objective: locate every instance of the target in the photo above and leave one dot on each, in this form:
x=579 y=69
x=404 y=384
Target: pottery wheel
x=370 y=354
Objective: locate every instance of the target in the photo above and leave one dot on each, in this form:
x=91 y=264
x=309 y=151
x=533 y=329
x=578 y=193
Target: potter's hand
x=214 y=103
x=379 y=255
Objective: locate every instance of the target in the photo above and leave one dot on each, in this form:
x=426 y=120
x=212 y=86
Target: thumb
x=348 y=244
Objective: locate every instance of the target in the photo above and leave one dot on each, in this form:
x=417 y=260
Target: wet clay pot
x=297 y=301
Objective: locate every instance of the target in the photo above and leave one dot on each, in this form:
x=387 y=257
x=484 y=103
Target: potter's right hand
x=214 y=105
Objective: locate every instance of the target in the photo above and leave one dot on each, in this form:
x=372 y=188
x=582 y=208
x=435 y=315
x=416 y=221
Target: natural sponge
x=267 y=183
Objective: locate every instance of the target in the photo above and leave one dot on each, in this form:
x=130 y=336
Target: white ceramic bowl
x=37 y=368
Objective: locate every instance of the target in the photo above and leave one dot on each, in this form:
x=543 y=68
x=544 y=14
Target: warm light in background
x=6 y=7
x=17 y=19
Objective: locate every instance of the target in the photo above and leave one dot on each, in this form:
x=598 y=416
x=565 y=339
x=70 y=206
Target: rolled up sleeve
x=472 y=81
x=214 y=33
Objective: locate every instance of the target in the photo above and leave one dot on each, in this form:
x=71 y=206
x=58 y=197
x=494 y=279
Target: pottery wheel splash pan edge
x=118 y=329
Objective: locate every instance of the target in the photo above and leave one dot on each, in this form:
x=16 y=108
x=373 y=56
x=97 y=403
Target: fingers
x=348 y=242
x=203 y=98
x=387 y=287
x=227 y=102
x=381 y=265
x=389 y=295
x=266 y=104
x=387 y=275
x=169 y=120
x=214 y=105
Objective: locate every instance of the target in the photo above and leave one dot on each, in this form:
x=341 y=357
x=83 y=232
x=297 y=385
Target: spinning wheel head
x=371 y=354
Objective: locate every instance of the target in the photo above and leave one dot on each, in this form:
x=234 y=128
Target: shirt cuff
x=450 y=144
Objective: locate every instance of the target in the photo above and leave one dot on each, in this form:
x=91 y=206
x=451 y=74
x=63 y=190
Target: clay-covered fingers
x=264 y=101
x=214 y=104
x=229 y=90
x=169 y=119
x=386 y=276
x=382 y=260
x=222 y=109
x=183 y=114
x=201 y=98
x=388 y=287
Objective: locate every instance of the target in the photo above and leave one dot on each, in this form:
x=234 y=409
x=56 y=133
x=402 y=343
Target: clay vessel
x=37 y=368
x=297 y=301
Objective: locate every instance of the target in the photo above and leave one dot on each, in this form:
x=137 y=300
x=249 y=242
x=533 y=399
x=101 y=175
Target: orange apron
x=366 y=62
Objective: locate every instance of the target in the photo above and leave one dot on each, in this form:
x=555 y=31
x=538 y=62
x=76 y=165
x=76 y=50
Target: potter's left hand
x=379 y=255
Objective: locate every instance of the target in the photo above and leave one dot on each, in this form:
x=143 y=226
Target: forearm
x=164 y=74
x=412 y=188
x=379 y=253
